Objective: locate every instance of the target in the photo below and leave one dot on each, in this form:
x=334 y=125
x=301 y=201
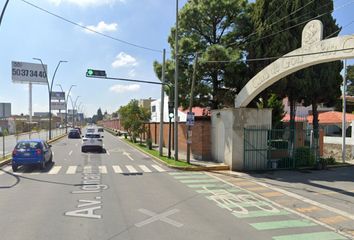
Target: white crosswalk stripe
x=131 y=169
x=54 y=170
x=5 y=169
x=158 y=168
x=144 y=168
x=117 y=169
x=103 y=169
x=71 y=170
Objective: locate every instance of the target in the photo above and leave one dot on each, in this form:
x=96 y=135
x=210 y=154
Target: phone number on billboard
x=28 y=73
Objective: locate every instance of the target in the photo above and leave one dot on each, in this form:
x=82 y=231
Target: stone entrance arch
x=313 y=51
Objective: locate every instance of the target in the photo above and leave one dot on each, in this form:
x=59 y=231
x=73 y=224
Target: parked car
x=30 y=152
x=74 y=133
x=92 y=142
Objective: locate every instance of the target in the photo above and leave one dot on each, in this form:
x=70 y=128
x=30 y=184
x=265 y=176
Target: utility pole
x=162 y=103
x=176 y=86
x=344 y=110
x=189 y=127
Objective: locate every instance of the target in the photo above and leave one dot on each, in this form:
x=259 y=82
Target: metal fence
x=266 y=149
x=7 y=143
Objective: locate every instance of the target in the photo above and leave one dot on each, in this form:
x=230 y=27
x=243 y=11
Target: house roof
x=331 y=117
x=286 y=118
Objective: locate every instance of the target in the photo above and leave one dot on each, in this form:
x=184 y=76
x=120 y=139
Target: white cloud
x=86 y=3
x=118 y=88
x=132 y=73
x=124 y=60
x=102 y=27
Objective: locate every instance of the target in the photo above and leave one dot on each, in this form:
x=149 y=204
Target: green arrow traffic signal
x=89 y=72
x=95 y=73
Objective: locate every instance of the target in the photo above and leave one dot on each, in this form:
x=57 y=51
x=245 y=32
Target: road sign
x=95 y=73
x=23 y=72
x=58 y=95
x=58 y=105
x=190 y=119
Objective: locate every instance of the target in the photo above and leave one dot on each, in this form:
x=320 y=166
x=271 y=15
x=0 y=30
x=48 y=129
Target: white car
x=92 y=142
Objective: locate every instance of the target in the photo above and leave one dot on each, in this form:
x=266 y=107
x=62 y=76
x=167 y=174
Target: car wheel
x=42 y=165
x=14 y=168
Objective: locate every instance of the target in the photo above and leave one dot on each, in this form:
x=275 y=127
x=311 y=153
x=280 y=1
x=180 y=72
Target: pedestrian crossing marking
x=131 y=169
x=71 y=170
x=311 y=236
x=117 y=169
x=54 y=170
x=144 y=168
x=308 y=209
x=158 y=168
x=103 y=169
x=282 y=224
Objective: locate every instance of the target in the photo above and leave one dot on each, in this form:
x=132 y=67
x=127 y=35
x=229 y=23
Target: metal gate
x=266 y=149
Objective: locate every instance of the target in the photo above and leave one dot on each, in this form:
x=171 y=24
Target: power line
x=285 y=56
x=91 y=30
x=335 y=32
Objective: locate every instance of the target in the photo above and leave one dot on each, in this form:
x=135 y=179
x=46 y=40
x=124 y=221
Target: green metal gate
x=266 y=149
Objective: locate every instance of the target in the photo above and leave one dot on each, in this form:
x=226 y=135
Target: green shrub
x=304 y=157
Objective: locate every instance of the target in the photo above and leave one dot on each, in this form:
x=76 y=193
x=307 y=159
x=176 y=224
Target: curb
x=8 y=158
x=194 y=168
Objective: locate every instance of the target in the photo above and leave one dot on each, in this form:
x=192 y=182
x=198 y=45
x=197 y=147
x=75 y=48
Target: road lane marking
x=108 y=152
x=5 y=169
x=54 y=170
x=71 y=152
x=282 y=224
x=158 y=168
x=200 y=181
x=145 y=168
x=131 y=169
x=117 y=169
x=128 y=155
x=193 y=177
x=71 y=170
x=159 y=217
x=185 y=173
x=311 y=236
x=103 y=169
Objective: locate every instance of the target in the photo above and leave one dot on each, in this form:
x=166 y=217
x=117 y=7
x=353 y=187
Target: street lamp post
x=50 y=87
x=66 y=105
x=3 y=11
x=176 y=85
x=73 y=104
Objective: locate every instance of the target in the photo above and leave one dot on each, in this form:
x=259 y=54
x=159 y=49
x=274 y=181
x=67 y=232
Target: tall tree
x=350 y=80
x=210 y=27
x=133 y=117
x=99 y=114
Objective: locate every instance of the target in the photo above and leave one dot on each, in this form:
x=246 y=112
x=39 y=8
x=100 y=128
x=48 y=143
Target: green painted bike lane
x=255 y=210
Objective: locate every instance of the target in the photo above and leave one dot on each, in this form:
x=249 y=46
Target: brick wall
x=201 y=135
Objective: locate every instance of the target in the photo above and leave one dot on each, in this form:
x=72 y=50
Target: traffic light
x=95 y=73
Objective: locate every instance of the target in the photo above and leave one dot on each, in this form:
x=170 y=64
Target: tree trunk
x=292 y=104
x=215 y=102
x=315 y=130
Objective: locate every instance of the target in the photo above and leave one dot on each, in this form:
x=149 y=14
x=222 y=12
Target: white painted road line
x=5 y=169
x=117 y=169
x=103 y=169
x=158 y=168
x=128 y=155
x=54 y=170
x=71 y=170
x=108 y=152
x=145 y=168
x=131 y=169
x=71 y=152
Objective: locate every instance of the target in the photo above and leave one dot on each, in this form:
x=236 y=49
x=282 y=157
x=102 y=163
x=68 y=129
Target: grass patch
x=155 y=153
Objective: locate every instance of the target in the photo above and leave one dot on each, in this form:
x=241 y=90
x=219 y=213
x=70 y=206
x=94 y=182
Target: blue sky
x=27 y=32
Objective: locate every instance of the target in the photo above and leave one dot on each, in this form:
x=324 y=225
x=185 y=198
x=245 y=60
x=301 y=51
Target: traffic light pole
x=162 y=103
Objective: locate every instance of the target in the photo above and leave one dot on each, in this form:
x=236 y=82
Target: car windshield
x=93 y=136
x=28 y=145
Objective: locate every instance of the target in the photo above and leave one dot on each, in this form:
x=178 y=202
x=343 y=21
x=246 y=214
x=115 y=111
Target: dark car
x=74 y=134
x=30 y=152
x=79 y=129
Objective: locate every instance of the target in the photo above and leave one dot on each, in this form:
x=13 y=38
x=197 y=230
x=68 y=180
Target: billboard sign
x=58 y=95
x=58 y=105
x=23 y=72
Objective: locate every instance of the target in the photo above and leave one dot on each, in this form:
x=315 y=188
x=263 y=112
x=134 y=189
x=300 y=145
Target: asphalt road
x=124 y=194
x=10 y=141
